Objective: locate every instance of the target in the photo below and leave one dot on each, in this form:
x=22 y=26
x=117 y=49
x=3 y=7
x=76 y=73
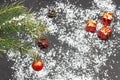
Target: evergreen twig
x=9 y=28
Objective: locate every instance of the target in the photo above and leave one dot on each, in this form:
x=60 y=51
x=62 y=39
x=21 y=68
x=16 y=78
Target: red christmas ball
x=43 y=43
x=37 y=65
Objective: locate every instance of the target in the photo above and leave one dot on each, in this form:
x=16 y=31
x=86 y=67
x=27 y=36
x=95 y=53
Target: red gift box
x=104 y=32
x=107 y=18
x=91 y=26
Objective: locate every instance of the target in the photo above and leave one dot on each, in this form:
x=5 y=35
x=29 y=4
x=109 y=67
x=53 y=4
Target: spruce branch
x=14 y=20
x=33 y=54
x=9 y=13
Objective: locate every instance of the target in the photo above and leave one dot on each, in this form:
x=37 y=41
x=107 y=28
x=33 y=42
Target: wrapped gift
x=107 y=18
x=91 y=26
x=104 y=32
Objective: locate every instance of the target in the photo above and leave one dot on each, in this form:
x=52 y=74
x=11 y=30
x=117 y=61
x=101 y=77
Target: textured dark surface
x=6 y=72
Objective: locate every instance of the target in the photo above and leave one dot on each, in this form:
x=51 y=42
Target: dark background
x=6 y=72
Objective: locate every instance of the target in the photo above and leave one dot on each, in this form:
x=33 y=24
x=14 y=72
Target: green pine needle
x=9 y=28
x=9 y=13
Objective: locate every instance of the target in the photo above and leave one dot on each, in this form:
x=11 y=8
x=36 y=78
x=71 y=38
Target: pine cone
x=43 y=43
x=52 y=13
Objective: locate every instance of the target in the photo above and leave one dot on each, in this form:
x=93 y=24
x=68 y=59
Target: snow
x=90 y=52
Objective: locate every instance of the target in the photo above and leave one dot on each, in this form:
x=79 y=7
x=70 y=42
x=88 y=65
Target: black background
x=6 y=72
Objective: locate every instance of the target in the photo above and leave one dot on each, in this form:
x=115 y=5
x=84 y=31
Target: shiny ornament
x=104 y=32
x=107 y=18
x=37 y=65
x=91 y=26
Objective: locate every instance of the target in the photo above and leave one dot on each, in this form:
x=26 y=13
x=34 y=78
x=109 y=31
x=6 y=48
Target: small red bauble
x=91 y=26
x=107 y=18
x=37 y=65
x=104 y=32
x=43 y=43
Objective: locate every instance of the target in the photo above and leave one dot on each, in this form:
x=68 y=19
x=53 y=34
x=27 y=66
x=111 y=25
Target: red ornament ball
x=43 y=43
x=37 y=65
